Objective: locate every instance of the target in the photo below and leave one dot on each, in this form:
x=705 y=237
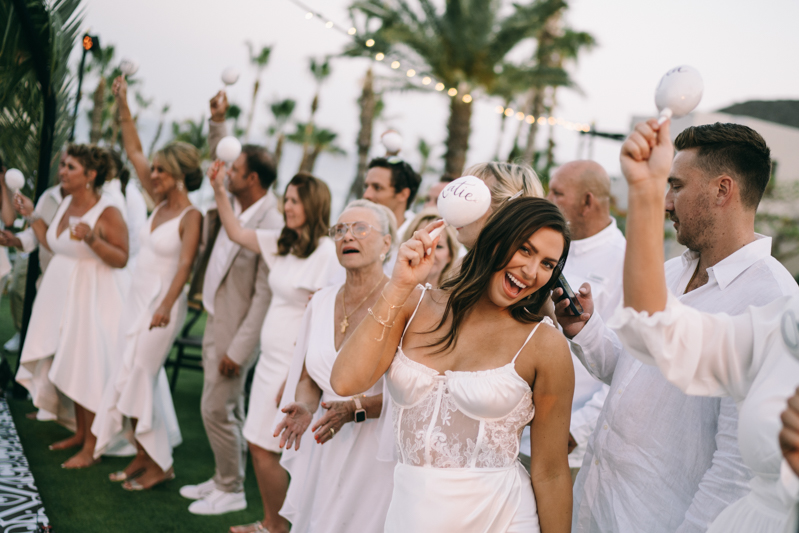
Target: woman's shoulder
x=547 y=340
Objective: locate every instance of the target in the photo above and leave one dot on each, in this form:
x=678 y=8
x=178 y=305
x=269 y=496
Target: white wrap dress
x=69 y=350
x=340 y=486
x=292 y=281
x=140 y=388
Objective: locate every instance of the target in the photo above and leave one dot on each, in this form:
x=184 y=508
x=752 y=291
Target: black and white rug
x=21 y=508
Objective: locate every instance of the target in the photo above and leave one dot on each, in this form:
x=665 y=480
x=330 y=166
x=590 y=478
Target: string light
x=439 y=86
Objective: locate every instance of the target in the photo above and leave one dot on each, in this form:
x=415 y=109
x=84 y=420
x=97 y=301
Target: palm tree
x=368 y=103
x=192 y=132
x=320 y=140
x=259 y=61
x=101 y=61
x=461 y=47
x=320 y=71
x=234 y=112
x=282 y=111
x=556 y=46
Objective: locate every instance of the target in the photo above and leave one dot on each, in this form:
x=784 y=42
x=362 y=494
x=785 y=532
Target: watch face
x=360 y=415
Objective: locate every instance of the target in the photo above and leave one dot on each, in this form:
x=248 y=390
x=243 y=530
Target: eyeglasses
x=359 y=230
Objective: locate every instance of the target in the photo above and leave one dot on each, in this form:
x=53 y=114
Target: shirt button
x=605 y=426
x=619 y=391
x=596 y=462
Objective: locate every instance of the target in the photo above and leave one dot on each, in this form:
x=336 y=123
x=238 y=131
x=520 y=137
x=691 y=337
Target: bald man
x=581 y=189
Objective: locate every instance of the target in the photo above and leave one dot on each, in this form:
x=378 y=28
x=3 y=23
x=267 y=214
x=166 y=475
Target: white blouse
x=745 y=357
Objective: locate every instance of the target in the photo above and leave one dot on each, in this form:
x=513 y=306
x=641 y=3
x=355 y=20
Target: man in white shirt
x=659 y=460
x=393 y=183
x=235 y=291
x=581 y=189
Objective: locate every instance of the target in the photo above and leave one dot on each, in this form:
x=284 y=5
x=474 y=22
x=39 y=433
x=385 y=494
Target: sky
x=743 y=49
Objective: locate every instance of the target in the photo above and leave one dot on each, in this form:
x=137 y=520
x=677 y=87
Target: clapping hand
x=293 y=425
x=337 y=414
x=647 y=153
x=415 y=258
x=789 y=436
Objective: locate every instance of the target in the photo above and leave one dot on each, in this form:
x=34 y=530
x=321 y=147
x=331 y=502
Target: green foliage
x=192 y=132
x=322 y=139
x=57 y=24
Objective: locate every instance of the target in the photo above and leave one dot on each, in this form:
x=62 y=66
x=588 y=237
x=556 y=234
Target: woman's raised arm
x=130 y=137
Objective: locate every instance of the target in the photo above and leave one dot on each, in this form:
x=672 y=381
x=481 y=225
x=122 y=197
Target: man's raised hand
x=647 y=153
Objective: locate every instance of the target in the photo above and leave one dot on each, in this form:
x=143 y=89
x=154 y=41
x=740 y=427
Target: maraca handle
x=438 y=231
x=664 y=115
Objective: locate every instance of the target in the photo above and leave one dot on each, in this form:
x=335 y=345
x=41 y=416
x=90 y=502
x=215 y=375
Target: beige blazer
x=243 y=296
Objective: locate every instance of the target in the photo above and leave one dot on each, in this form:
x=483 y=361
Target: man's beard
x=694 y=235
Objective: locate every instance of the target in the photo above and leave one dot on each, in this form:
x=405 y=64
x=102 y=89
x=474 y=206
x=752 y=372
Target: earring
x=180 y=186
x=382 y=257
x=88 y=185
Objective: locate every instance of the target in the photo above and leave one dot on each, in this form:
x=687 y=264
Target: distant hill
x=785 y=112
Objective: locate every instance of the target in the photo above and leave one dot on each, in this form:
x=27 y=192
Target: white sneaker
x=218 y=502
x=12 y=344
x=197 y=492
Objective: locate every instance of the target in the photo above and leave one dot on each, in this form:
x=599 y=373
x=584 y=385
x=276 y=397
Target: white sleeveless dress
x=340 y=486
x=71 y=341
x=457 y=436
x=140 y=388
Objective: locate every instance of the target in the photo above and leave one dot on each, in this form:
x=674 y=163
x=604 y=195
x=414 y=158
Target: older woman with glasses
x=337 y=482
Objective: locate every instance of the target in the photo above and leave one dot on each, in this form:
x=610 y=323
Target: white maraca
x=230 y=76
x=392 y=141
x=228 y=149
x=15 y=179
x=128 y=67
x=678 y=92
x=462 y=202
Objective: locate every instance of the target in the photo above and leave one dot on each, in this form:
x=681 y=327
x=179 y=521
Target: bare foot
x=82 y=459
x=149 y=479
x=135 y=468
x=257 y=527
x=71 y=442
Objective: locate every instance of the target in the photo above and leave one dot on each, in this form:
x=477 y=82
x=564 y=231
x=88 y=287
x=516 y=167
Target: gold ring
x=332 y=432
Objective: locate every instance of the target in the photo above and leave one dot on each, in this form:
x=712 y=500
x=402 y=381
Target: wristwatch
x=360 y=412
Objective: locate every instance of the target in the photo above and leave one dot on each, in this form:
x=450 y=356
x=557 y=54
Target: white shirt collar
x=729 y=268
x=250 y=211
x=582 y=246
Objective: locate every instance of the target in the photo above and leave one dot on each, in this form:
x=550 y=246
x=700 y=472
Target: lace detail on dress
x=436 y=433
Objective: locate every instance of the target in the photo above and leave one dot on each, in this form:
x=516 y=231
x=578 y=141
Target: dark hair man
x=657 y=452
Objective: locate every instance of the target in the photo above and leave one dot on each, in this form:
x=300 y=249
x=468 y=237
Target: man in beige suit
x=235 y=290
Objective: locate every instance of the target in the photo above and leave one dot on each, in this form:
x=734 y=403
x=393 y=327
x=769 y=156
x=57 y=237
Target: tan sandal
x=133 y=485
x=256 y=527
x=117 y=477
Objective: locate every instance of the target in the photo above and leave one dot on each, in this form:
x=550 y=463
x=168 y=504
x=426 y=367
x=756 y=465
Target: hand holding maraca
x=415 y=258
x=216 y=174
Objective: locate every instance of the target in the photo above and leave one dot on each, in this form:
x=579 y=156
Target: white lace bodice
x=458 y=419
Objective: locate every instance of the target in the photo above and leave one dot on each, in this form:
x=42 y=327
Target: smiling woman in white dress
x=338 y=484
x=68 y=353
x=467 y=367
x=155 y=310
x=747 y=357
x=301 y=260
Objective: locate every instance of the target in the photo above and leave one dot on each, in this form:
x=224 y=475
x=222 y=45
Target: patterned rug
x=21 y=508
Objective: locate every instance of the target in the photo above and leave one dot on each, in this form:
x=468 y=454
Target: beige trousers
x=222 y=409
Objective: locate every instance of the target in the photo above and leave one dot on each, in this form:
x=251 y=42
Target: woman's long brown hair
x=504 y=233
x=315 y=198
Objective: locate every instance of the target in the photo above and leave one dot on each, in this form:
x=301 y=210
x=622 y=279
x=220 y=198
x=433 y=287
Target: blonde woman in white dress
x=467 y=367
x=338 y=484
x=155 y=310
x=68 y=354
x=301 y=260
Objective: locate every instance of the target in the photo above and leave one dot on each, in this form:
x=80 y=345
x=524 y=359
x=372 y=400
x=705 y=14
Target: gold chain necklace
x=346 y=322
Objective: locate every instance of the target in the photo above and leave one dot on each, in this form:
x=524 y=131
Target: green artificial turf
x=85 y=501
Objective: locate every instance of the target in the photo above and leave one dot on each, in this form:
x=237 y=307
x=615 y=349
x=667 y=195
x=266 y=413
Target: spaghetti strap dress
x=70 y=346
x=140 y=388
x=457 y=436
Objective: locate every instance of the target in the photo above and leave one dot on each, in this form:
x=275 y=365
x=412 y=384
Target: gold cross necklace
x=346 y=322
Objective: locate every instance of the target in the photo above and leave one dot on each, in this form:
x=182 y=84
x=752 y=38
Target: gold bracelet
x=381 y=322
x=391 y=307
